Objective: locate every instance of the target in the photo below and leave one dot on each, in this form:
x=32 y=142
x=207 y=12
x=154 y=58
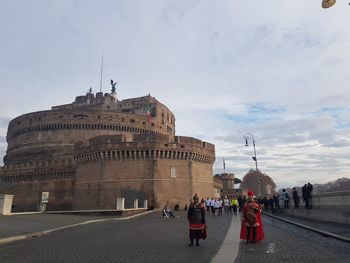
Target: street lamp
x=249 y=137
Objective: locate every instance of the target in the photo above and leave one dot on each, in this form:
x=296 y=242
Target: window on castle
x=173 y=172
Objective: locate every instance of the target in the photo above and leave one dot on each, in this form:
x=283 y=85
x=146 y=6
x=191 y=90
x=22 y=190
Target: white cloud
x=209 y=62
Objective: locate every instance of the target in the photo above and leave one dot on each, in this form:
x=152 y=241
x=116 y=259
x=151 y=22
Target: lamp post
x=249 y=137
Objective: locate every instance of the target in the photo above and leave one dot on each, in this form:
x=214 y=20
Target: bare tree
x=250 y=181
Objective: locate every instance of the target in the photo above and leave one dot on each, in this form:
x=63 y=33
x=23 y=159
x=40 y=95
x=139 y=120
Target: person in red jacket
x=252 y=228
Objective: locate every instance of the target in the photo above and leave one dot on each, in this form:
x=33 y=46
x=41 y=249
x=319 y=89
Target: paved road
x=288 y=243
x=150 y=238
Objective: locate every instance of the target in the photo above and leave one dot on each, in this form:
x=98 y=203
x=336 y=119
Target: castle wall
x=177 y=181
x=27 y=195
x=161 y=170
x=89 y=152
x=98 y=184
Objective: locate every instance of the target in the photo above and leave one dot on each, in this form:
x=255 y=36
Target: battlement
x=141 y=147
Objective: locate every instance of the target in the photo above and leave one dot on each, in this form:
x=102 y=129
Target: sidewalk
x=23 y=226
x=331 y=229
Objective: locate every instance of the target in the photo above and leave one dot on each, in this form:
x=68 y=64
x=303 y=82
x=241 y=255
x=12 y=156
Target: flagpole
x=101 y=74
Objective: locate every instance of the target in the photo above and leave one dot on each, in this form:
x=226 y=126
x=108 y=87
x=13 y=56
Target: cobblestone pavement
x=148 y=238
x=287 y=243
x=335 y=228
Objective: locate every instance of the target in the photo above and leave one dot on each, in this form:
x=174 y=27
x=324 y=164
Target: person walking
x=276 y=199
x=251 y=227
x=234 y=205
x=196 y=221
x=226 y=205
x=295 y=197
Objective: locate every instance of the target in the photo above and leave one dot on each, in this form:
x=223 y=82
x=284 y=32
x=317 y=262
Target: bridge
x=148 y=237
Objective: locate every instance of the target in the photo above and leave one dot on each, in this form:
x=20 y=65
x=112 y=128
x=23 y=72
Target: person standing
x=295 y=197
x=272 y=204
x=305 y=196
x=251 y=228
x=285 y=197
x=196 y=221
x=309 y=189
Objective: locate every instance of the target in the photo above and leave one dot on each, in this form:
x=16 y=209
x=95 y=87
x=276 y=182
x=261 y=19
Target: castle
x=88 y=153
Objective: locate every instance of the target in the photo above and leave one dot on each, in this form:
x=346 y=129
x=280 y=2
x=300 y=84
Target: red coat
x=259 y=229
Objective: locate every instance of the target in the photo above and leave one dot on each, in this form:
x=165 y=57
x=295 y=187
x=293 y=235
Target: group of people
x=307 y=195
x=215 y=206
x=251 y=224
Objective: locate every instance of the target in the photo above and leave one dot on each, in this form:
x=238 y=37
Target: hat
x=250 y=193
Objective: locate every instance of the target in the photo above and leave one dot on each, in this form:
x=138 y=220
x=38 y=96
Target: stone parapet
x=331 y=207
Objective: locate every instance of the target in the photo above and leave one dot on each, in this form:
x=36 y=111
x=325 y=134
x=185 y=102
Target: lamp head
x=328 y=3
x=246 y=142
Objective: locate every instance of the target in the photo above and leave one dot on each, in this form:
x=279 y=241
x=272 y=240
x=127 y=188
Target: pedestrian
x=295 y=197
x=276 y=199
x=220 y=205
x=226 y=204
x=241 y=202
x=196 y=221
x=285 y=197
x=305 y=195
x=251 y=227
x=216 y=206
x=212 y=206
x=207 y=204
x=234 y=205
x=309 y=189
x=272 y=204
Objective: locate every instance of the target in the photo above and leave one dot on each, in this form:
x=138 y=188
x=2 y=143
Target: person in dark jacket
x=309 y=189
x=196 y=220
x=295 y=198
x=305 y=196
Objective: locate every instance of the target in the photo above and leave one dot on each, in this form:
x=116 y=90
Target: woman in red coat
x=252 y=228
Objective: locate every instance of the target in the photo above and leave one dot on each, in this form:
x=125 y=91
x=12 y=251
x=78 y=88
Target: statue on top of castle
x=113 y=85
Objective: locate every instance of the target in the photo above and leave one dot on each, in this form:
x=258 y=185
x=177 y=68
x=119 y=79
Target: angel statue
x=113 y=85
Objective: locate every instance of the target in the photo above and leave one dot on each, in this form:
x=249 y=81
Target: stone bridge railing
x=331 y=207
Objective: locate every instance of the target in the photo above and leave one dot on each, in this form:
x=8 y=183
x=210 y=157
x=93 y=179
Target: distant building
x=88 y=153
x=228 y=185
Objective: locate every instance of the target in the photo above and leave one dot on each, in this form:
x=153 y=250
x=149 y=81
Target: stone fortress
x=88 y=153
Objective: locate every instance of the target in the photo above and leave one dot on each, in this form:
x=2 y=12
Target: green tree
x=251 y=179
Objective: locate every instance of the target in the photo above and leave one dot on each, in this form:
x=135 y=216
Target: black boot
x=197 y=242
x=190 y=244
x=254 y=234
x=248 y=234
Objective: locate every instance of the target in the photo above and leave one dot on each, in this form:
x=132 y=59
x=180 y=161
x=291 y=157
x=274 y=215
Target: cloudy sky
x=276 y=69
